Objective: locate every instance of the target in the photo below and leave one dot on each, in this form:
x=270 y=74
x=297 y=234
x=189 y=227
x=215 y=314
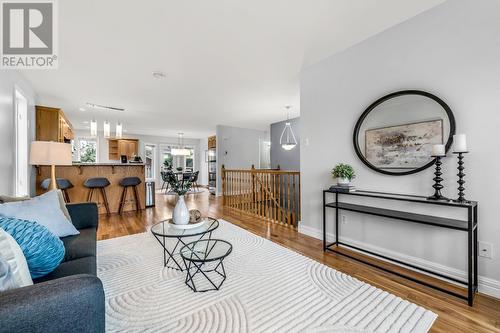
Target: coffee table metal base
x=204 y=263
x=169 y=256
x=214 y=278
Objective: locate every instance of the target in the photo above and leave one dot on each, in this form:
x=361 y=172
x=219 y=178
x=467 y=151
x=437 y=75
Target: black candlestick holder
x=461 y=175
x=437 y=182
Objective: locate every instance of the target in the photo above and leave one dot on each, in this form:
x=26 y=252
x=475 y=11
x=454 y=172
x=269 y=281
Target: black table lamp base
x=461 y=175
x=437 y=182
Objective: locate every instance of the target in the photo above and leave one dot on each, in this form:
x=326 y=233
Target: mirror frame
x=381 y=100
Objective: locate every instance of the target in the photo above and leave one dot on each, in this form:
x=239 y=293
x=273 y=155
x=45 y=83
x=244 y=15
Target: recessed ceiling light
x=82 y=109
x=159 y=75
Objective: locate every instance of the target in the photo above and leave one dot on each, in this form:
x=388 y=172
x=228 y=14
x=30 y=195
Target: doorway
x=21 y=126
x=264 y=154
x=150 y=160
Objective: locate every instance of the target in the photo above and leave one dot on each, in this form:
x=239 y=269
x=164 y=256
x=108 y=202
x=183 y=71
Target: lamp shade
x=50 y=153
x=180 y=152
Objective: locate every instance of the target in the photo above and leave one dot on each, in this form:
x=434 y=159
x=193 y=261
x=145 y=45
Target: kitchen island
x=114 y=172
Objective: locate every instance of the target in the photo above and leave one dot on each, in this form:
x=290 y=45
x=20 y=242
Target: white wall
x=237 y=148
x=203 y=177
x=452 y=51
x=103 y=149
x=9 y=80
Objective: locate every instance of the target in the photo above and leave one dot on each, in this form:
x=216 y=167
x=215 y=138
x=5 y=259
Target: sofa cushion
x=14 y=271
x=43 y=250
x=86 y=265
x=80 y=246
x=44 y=209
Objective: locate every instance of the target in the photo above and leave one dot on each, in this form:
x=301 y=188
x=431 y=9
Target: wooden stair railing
x=272 y=195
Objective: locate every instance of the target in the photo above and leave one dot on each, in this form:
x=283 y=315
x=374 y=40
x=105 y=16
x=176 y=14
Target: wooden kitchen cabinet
x=212 y=142
x=118 y=147
x=52 y=125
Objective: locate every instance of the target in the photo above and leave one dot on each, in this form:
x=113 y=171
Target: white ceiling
x=227 y=62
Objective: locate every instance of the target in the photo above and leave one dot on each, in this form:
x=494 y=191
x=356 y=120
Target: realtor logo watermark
x=29 y=34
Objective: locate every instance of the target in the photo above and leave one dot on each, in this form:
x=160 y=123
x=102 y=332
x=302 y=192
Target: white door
x=21 y=109
x=265 y=154
x=150 y=161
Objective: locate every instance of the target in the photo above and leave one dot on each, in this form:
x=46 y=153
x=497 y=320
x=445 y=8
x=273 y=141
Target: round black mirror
x=395 y=134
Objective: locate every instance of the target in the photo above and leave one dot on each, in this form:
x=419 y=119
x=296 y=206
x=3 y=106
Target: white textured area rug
x=268 y=289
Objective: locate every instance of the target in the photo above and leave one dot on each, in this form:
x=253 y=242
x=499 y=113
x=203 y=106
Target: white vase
x=181 y=212
x=343 y=181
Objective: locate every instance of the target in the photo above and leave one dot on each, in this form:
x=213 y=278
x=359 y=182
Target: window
x=85 y=150
x=189 y=161
x=21 y=119
x=177 y=163
x=150 y=158
x=167 y=158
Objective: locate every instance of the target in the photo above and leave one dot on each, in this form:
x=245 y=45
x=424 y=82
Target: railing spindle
x=267 y=194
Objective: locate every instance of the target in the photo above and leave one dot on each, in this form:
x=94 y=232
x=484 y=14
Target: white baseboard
x=486 y=285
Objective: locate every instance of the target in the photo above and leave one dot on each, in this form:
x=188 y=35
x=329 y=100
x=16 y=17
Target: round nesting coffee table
x=204 y=263
x=166 y=230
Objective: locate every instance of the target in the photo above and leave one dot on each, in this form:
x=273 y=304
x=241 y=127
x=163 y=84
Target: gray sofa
x=71 y=298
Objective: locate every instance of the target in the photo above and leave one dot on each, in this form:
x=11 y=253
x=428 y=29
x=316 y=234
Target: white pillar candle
x=438 y=150
x=459 y=143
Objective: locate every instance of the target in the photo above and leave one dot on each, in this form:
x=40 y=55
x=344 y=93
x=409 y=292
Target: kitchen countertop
x=108 y=164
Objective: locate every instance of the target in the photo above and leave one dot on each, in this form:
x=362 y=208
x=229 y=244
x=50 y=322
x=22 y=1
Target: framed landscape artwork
x=404 y=146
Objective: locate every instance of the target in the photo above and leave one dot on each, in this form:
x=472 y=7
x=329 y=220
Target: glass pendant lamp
x=119 y=130
x=180 y=151
x=107 y=129
x=287 y=139
x=93 y=127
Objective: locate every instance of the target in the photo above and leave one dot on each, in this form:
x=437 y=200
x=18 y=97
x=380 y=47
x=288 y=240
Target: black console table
x=469 y=226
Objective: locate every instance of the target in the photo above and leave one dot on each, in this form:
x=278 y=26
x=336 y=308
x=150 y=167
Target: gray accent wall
x=238 y=148
x=286 y=159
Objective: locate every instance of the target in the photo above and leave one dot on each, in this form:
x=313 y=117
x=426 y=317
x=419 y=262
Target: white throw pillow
x=45 y=210
x=12 y=254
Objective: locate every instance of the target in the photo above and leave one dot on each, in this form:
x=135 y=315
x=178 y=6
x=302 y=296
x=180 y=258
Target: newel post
x=223 y=177
x=253 y=183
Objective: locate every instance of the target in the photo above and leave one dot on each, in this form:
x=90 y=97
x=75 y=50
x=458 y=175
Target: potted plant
x=344 y=173
x=178 y=169
x=167 y=164
x=181 y=212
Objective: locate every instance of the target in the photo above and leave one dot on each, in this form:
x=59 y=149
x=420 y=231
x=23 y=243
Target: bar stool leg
x=66 y=196
x=122 y=200
x=103 y=192
x=136 y=195
x=89 y=196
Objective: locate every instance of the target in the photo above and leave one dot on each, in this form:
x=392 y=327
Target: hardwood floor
x=454 y=314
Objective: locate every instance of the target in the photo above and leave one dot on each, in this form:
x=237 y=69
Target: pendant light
x=107 y=129
x=181 y=151
x=119 y=130
x=93 y=127
x=287 y=139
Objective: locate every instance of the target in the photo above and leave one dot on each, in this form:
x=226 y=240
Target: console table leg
x=475 y=250
x=324 y=221
x=470 y=257
x=337 y=220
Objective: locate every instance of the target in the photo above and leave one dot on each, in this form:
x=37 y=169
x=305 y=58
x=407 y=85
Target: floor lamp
x=50 y=153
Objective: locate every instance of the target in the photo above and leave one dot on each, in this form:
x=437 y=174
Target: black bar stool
x=62 y=183
x=126 y=183
x=98 y=183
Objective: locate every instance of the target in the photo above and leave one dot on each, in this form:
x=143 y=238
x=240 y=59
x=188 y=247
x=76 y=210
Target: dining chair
x=195 y=179
x=186 y=176
x=164 y=179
